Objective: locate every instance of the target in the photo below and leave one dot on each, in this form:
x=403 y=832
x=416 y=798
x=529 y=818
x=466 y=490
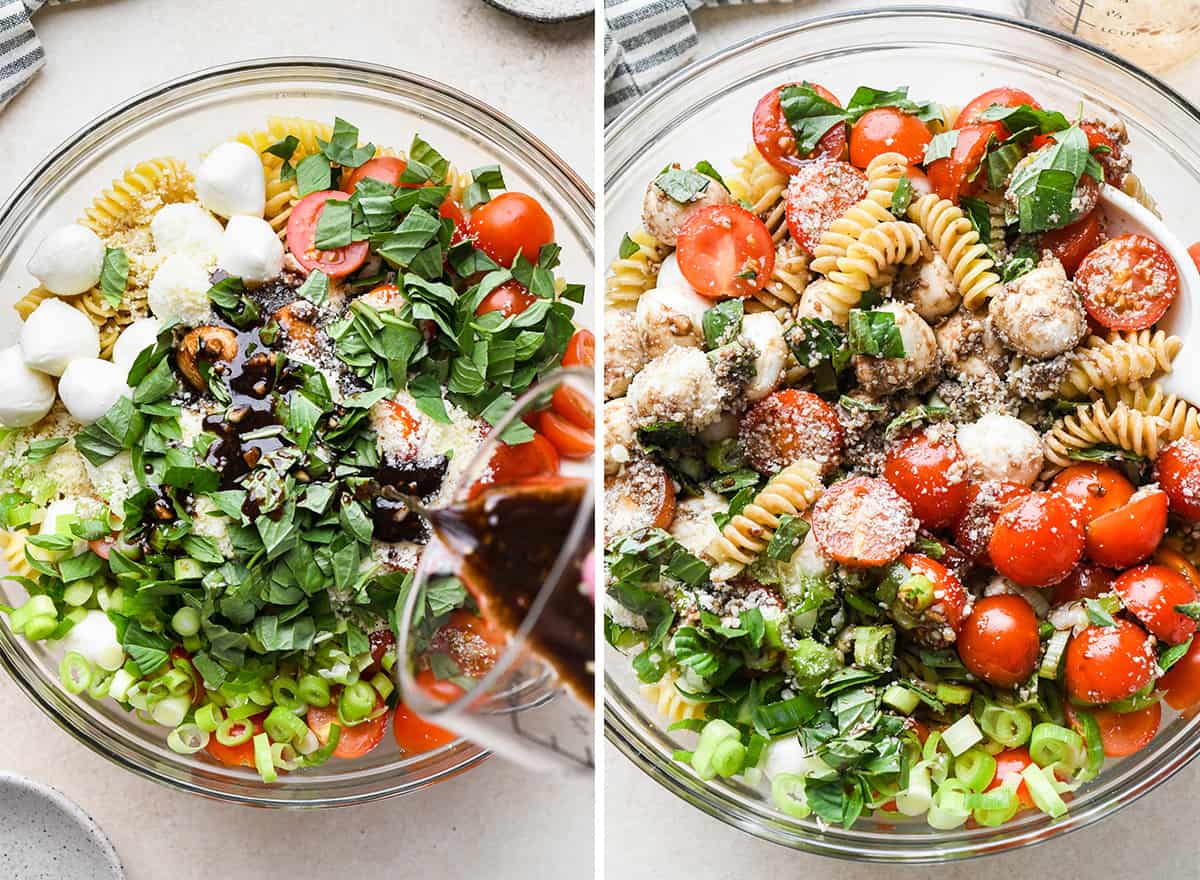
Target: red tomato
x=638 y=490
x=510 y=298
x=1005 y=96
x=519 y=462
x=1037 y=539
x=1109 y=663
x=788 y=425
x=950 y=599
x=569 y=439
x=574 y=406
x=777 y=142
x=1072 y=243
x=385 y=168
x=999 y=641
x=416 y=736
x=1177 y=562
x=1178 y=473
x=302 y=232
x=354 y=741
x=1095 y=489
x=724 y=251
x=1182 y=681
x=1128 y=282
x=1150 y=593
x=509 y=224
x=820 y=192
x=440 y=689
x=581 y=350
x=863 y=521
x=888 y=130
x=240 y=755
x=102 y=546
x=973 y=531
x=1011 y=762
x=1087 y=581
x=382 y=641
x=1123 y=733
x=1110 y=161
x=930 y=473
x=1126 y=536
x=1194 y=253
x=951 y=176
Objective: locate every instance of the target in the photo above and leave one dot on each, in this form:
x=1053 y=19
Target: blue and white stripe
x=646 y=41
x=21 y=53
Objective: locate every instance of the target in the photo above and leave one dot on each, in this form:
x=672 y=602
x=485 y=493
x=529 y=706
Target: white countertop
x=495 y=822
x=652 y=835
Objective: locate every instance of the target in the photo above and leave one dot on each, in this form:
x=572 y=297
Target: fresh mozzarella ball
x=929 y=287
x=90 y=387
x=771 y=352
x=186 y=228
x=56 y=520
x=671 y=313
x=68 y=261
x=56 y=334
x=230 y=181
x=1039 y=314
x=25 y=395
x=620 y=440
x=999 y=447
x=135 y=339
x=694 y=526
x=663 y=217
x=179 y=291
x=623 y=352
x=880 y=376
x=678 y=386
x=95 y=638
x=250 y=250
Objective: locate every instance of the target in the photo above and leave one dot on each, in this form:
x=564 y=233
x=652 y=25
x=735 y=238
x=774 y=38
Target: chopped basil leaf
x=412 y=236
x=483 y=180
x=333 y=226
x=790 y=532
x=628 y=248
x=722 y=322
x=705 y=168
x=866 y=99
x=809 y=115
x=902 y=197
x=940 y=146
x=313 y=174
x=38 y=450
x=979 y=214
x=1189 y=609
x=1000 y=164
x=342 y=146
x=1097 y=614
x=285 y=149
x=682 y=186
x=848 y=402
x=875 y=334
x=1174 y=654
x=427 y=157
x=1025 y=119
x=315 y=288
x=1044 y=187
x=114 y=275
x=922 y=413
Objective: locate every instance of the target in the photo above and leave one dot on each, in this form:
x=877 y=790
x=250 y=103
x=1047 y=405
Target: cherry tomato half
x=788 y=425
x=520 y=462
x=998 y=642
x=1037 y=539
x=1004 y=96
x=1182 y=681
x=414 y=735
x=777 y=142
x=1109 y=663
x=510 y=298
x=973 y=531
x=1095 y=489
x=569 y=439
x=1072 y=243
x=1126 y=536
x=302 y=233
x=863 y=521
x=574 y=406
x=640 y=495
x=724 y=251
x=888 y=130
x=819 y=193
x=1178 y=472
x=355 y=740
x=1123 y=733
x=509 y=224
x=1011 y=762
x=1128 y=282
x=581 y=350
x=239 y=755
x=1151 y=593
x=952 y=176
x=929 y=471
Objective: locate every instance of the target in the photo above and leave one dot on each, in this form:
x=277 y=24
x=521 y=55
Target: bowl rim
x=835 y=842
x=459 y=756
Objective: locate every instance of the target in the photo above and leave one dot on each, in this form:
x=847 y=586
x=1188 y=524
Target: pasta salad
x=899 y=521
x=227 y=383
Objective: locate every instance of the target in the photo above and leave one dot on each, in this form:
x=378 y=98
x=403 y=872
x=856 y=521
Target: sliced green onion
x=1095 y=746
x=1051 y=744
x=264 y=761
x=284 y=756
x=915 y=800
x=901 y=698
x=209 y=717
x=75 y=673
x=37 y=606
x=955 y=694
x=714 y=733
x=1147 y=696
x=1011 y=727
x=261 y=695
x=929 y=751
x=995 y=807
x=286 y=692
x=787 y=794
x=314 y=690
x=170 y=711
x=187 y=739
x=961 y=735
x=122 y=681
x=283 y=726
x=1052 y=659
x=1042 y=790
x=383 y=685
x=729 y=757
x=234 y=733
x=242 y=712
x=101 y=682
x=949 y=808
x=186 y=621
x=39 y=628
x=356 y=703
x=325 y=752
x=975 y=769
x=187 y=568
x=78 y=593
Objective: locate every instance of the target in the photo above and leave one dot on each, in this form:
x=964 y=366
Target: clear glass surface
x=703 y=112
x=521 y=709
x=185 y=118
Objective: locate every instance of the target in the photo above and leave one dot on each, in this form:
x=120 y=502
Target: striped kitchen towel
x=647 y=40
x=21 y=53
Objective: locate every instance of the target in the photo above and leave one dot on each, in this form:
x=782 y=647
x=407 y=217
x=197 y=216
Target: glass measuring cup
x=531 y=706
x=1155 y=34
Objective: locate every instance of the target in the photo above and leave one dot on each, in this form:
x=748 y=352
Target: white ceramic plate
x=46 y=836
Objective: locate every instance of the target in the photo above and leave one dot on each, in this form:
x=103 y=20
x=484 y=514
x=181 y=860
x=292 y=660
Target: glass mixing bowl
x=185 y=118
x=703 y=112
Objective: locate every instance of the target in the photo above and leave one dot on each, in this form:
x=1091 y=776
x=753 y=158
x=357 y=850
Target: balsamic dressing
x=507 y=539
x=392 y=518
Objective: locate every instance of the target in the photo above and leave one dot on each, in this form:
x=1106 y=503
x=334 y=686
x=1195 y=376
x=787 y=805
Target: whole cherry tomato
x=1178 y=472
x=888 y=130
x=929 y=471
x=1096 y=489
x=1127 y=535
x=509 y=224
x=1151 y=593
x=1037 y=539
x=1109 y=663
x=999 y=642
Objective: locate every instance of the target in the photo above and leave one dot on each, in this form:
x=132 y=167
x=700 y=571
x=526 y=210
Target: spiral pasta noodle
x=761 y=186
x=1121 y=359
x=790 y=492
x=867 y=260
x=788 y=279
x=30 y=301
x=1097 y=424
x=630 y=277
x=12 y=553
x=1182 y=419
x=883 y=176
x=133 y=198
x=670 y=703
x=957 y=241
x=1133 y=187
x=283 y=194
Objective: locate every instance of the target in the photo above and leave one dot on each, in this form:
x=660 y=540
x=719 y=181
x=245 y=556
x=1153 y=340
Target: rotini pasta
x=630 y=277
x=1120 y=359
x=792 y=491
x=761 y=187
x=788 y=279
x=883 y=175
x=1133 y=187
x=878 y=249
x=133 y=198
x=957 y=241
x=12 y=554
x=30 y=301
x=670 y=703
x=1182 y=419
x=1097 y=424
